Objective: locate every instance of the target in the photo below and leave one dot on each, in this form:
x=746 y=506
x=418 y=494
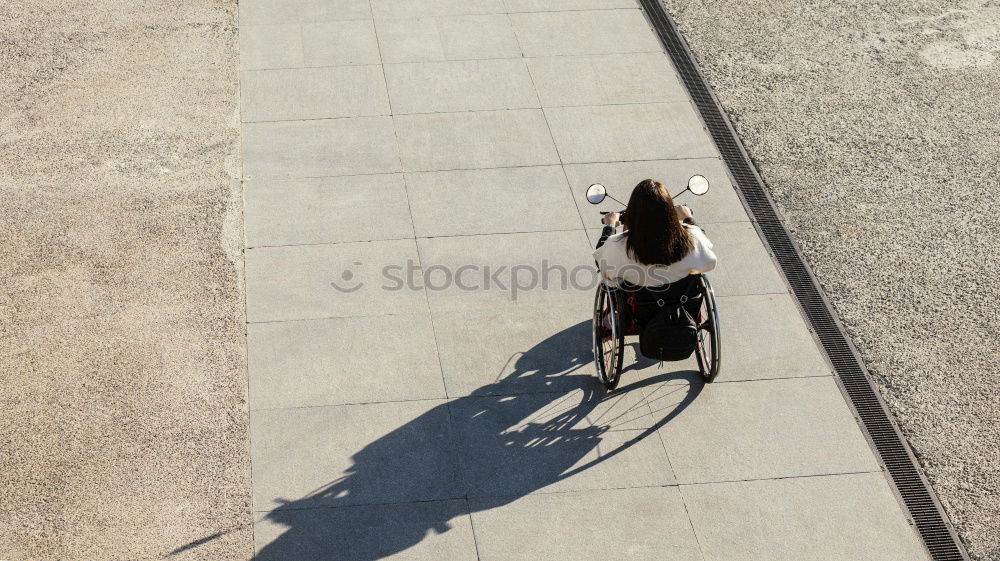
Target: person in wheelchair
x=657 y=256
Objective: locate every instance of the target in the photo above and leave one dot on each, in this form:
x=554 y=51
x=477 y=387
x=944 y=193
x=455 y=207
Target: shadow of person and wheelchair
x=538 y=425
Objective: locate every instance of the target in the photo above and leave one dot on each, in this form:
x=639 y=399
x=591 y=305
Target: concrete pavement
x=447 y=420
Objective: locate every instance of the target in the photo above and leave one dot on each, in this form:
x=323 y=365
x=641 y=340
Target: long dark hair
x=655 y=235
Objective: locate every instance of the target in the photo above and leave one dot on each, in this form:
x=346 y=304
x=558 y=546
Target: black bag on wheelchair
x=671 y=333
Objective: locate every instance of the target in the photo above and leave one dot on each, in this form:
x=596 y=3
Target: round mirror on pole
x=698 y=184
x=596 y=194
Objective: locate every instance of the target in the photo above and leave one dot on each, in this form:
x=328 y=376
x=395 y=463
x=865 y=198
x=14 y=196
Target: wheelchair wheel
x=609 y=337
x=709 y=342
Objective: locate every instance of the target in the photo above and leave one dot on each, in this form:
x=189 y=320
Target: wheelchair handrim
x=605 y=361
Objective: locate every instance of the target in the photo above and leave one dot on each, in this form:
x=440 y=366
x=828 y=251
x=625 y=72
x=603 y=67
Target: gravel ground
x=876 y=126
x=123 y=429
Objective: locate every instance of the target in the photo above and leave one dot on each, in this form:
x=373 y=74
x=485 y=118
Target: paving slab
x=295 y=45
x=583 y=32
x=349 y=146
x=326 y=210
x=764 y=337
x=470 y=37
x=748 y=267
x=514 y=6
x=543 y=443
x=448 y=203
x=425 y=531
x=647 y=524
x=258 y=12
x=271 y=46
x=551 y=268
x=313 y=93
x=721 y=204
x=339 y=280
x=531 y=349
x=339 y=43
x=353 y=454
x=834 y=518
x=342 y=360
x=605 y=79
x=767 y=338
x=463 y=85
x=409 y=9
x=480 y=139
x=766 y=429
x=615 y=133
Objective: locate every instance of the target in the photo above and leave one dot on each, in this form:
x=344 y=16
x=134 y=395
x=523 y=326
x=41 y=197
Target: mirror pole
x=685 y=190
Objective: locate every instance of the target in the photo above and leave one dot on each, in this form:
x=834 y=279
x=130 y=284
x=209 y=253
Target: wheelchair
x=613 y=322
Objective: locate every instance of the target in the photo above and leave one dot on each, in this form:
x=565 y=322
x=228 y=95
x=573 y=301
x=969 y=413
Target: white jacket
x=617 y=265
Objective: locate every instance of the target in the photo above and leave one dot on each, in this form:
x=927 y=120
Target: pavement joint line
x=310 y=244
x=508 y=13
x=400 y=314
x=568 y=393
x=802 y=377
x=574 y=10
x=426 y=237
x=299 y=24
x=543 y=492
x=455 y=442
x=548 y=126
x=374 y=17
x=663 y=445
x=779 y=478
x=687 y=514
x=395 y=130
x=520 y=49
x=361 y=65
x=472 y=525
x=322 y=318
x=314 y=119
x=360 y=505
x=590 y=162
x=471 y=308
x=430 y=316
x=389 y=401
x=462 y=111
x=446 y=60
x=525 y=58
x=299 y=178
x=543 y=106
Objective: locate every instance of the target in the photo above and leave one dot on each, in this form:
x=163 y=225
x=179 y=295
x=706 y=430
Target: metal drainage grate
x=895 y=454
